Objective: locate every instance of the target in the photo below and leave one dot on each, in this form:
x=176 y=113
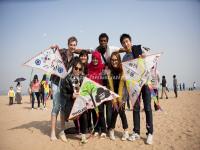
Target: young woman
x=44 y=90
x=116 y=83
x=35 y=87
x=95 y=69
x=18 y=97
x=69 y=92
x=83 y=56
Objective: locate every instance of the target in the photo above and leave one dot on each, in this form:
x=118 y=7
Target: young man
x=175 y=83
x=58 y=102
x=133 y=52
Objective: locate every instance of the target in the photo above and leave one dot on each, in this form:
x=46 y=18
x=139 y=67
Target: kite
x=91 y=95
x=137 y=73
x=49 y=61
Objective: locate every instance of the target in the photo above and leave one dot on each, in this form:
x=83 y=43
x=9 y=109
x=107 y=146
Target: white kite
x=91 y=95
x=137 y=73
x=49 y=61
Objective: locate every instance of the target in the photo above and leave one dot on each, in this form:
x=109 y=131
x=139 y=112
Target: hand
x=107 y=70
x=115 y=106
x=54 y=46
x=75 y=95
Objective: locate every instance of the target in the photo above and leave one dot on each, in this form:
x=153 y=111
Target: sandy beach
x=175 y=128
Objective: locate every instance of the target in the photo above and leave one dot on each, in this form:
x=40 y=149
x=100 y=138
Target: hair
x=103 y=35
x=123 y=36
x=18 y=83
x=163 y=77
x=174 y=76
x=35 y=78
x=44 y=77
x=82 y=53
x=77 y=61
x=119 y=60
x=72 y=39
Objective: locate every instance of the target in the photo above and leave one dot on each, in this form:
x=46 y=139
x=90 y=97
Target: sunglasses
x=113 y=60
x=77 y=68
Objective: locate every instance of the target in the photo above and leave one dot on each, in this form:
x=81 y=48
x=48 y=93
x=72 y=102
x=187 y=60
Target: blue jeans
x=56 y=99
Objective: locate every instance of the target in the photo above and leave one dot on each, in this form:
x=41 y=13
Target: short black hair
x=123 y=36
x=174 y=76
x=82 y=53
x=102 y=35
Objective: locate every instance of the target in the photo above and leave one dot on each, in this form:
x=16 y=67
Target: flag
x=49 y=61
x=91 y=95
x=137 y=73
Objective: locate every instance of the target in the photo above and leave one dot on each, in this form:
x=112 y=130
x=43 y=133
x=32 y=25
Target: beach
x=177 y=127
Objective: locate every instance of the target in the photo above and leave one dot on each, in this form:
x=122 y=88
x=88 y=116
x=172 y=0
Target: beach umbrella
x=19 y=79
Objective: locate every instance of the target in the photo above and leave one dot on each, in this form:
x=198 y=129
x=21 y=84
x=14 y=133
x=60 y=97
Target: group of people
x=17 y=96
x=105 y=68
x=39 y=90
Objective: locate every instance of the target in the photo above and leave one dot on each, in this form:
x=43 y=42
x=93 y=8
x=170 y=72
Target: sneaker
x=166 y=97
x=112 y=135
x=32 y=108
x=103 y=135
x=53 y=138
x=83 y=139
x=149 y=139
x=62 y=136
x=134 y=136
x=125 y=136
x=96 y=134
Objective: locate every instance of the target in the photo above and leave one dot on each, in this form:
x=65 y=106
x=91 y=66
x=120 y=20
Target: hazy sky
x=29 y=26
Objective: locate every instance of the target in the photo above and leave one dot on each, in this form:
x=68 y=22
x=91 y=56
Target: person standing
x=175 y=84
x=194 y=85
x=68 y=59
x=18 y=97
x=11 y=95
x=183 y=86
x=116 y=83
x=69 y=90
x=155 y=79
x=35 y=88
x=180 y=87
x=164 y=87
x=95 y=69
x=132 y=52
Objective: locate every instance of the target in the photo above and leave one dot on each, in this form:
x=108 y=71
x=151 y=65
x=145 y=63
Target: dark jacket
x=66 y=93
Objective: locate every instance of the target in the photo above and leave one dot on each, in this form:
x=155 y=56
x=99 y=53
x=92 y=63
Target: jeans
x=146 y=96
x=122 y=115
x=56 y=99
x=37 y=94
x=101 y=124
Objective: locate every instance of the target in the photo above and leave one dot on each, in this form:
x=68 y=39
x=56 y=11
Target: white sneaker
x=62 y=136
x=96 y=134
x=125 y=136
x=53 y=136
x=134 y=137
x=149 y=139
x=83 y=139
x=112 y=135
x=103 y=135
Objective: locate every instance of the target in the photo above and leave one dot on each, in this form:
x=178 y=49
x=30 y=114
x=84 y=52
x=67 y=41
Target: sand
x=177 y=127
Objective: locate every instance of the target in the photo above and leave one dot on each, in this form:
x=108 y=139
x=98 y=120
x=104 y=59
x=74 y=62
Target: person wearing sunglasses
x=69 y=90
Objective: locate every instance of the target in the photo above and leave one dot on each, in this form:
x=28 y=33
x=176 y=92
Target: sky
x=29 y=26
